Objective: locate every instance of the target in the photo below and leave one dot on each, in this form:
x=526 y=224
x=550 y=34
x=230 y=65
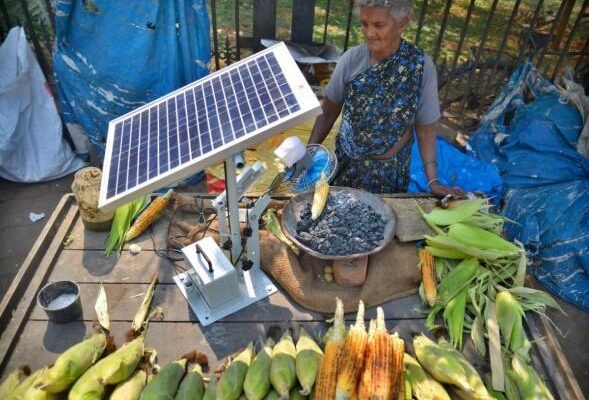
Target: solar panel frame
x=162 y=119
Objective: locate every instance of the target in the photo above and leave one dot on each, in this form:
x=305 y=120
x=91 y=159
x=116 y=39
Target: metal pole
x=327 y=9
x=420 y=23
x=442 y=30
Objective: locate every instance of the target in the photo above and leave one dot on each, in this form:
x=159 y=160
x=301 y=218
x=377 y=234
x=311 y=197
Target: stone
x=350 y=272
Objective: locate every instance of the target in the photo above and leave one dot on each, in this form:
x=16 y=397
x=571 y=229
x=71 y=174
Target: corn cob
x=165 y=384
x=528 y=382
x=295 y=394
x=309 y=356
x=257 y=380
x=510 y=316
x=19 y=391
x=130 y=389
x=428 y=276
x=33 y=393
x=88 y=387
x=211 y=391
x=273 y=226
x=477 y=237
x=459 y=211
x=70 y=365
x=319 y=197
x=444 y=252
x=350 y=368
x=398 y=352
x=283 y=374
x=407 y=393
x=192 y=386
x=231 y=382
x=325 y=385
x=382 y=362
x=364 y=389
x=454 y=318
x=149 y=215
x=272 y=395
x=11 y=382
x=423 y=386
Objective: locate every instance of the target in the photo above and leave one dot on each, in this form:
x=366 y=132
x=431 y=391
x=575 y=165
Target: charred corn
x=352 y=363
x=130 y=389
x=283 y=374
x=257 y=380
x=309 y=356
x=382 y=362
x=422 y=385
x=192 y=386
x=70 y=365
x=398 y=352
x=320 y=197
x=325 y=385
x=165 y=384
x=231 y=382
x=428 y=276
x=211 y=391
x=153 y=211
x=365 y=386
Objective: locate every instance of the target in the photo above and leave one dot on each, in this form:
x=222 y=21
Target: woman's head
x=383 y=22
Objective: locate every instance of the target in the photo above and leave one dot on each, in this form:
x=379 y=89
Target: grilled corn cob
x=350 y=368
x=319 y=197
x=70 y=365
x=230 y=384
x=309 y=356
x=283 y=374
x=325 y=385
x=428 y=276
x=382 y=362
x=364 y=389
x=398 y=352
x=153 y=211
x=257 y=380
x=423 y=386
x=165 y=384
x=130 y=389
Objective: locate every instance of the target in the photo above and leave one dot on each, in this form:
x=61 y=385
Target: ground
x=18 y=233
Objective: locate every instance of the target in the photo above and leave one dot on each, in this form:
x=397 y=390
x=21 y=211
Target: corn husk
x=309 y=356
x=231 y=382
x=165 y=384
x=130 y=389
x=19 y=391
x=33 y=393
x=283 y=373
x=141 y=314
x=192 y=386
x=273 y=226
x=257 y=380
x=528 y=382
x=11 y=382
x=121 y=223
x=211 y=391
x=101 y=308
x=422 y=385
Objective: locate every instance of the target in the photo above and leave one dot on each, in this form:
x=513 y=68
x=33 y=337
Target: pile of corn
x=476 y=277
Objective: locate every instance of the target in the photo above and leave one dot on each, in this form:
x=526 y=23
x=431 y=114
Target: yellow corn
x=365 y=386
x=510 y=316
x=382 y=362
x=33 y=393
x=257 y=379
x=153 y=211
x=319 y=197
x=130 y=389
x=398 y=352
x=352 y=362
x=283 y=374
x=192 y=386
x=309 y=356
x=70 y=365
x=230 y=384
x=165 y=384
x=325 y=385
x=88 y=387
x=428 y=276
x=421 y=384
x=211 y=392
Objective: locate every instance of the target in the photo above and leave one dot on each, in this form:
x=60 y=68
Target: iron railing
x=475 y=43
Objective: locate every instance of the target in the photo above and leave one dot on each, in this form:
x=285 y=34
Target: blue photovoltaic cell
x=198 y=120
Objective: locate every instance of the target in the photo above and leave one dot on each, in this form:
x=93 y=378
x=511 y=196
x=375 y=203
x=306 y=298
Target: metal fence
x=475 y=43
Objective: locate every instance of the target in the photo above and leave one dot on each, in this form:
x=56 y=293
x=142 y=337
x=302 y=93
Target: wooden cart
x=29 y=338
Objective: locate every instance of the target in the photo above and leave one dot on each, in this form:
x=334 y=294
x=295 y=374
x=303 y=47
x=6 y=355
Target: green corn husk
x=70 y=365
x=33 y=393
x=273 y=226
x=121 y=223
x=309 y=356
x=273 y=395
x=528 y=382
x=211 y=391
x=477 y=237
x=130 y=389
x=231 y=382
x=458 y=212
x=421 y=384
x=165 y=384
x=454 y=318
x=295 y=394
x=192 y=386
x=141 y=314
x=19 y=391
x=88 y=387
x=442 y=252
x=257 y=380
x=510 y=317
x=283 y=368
x=11 y=382
x=446 y=242
x=407 y=389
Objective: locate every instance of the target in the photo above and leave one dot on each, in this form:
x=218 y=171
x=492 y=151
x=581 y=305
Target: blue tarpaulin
x=530 y=134
x=114 y=56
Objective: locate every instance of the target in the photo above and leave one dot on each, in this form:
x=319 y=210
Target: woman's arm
x=426 y=137
x=325 y=121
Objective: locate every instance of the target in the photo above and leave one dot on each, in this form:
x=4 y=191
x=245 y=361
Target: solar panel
x=203 y=123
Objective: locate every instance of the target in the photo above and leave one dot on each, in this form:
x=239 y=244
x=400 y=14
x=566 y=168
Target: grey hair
x=399 y=8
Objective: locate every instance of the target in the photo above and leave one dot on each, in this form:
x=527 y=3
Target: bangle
x=430 y=162
x=429 y=183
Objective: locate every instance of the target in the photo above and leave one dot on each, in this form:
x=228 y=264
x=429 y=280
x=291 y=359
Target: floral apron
x=379 y=107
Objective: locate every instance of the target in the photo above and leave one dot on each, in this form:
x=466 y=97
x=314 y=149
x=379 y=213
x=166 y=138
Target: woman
x=384 y=88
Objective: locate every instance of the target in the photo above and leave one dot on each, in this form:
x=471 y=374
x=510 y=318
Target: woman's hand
x=440 y=190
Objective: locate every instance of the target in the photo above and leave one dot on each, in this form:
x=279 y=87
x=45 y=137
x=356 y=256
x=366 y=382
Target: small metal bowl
x=60 y=301
x=291 y=214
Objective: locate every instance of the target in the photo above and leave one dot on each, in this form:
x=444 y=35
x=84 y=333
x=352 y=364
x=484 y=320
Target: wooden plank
x=303 y=17
x=264 y=21
x=27 y=299
x=28 y=267
x=124 y=301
